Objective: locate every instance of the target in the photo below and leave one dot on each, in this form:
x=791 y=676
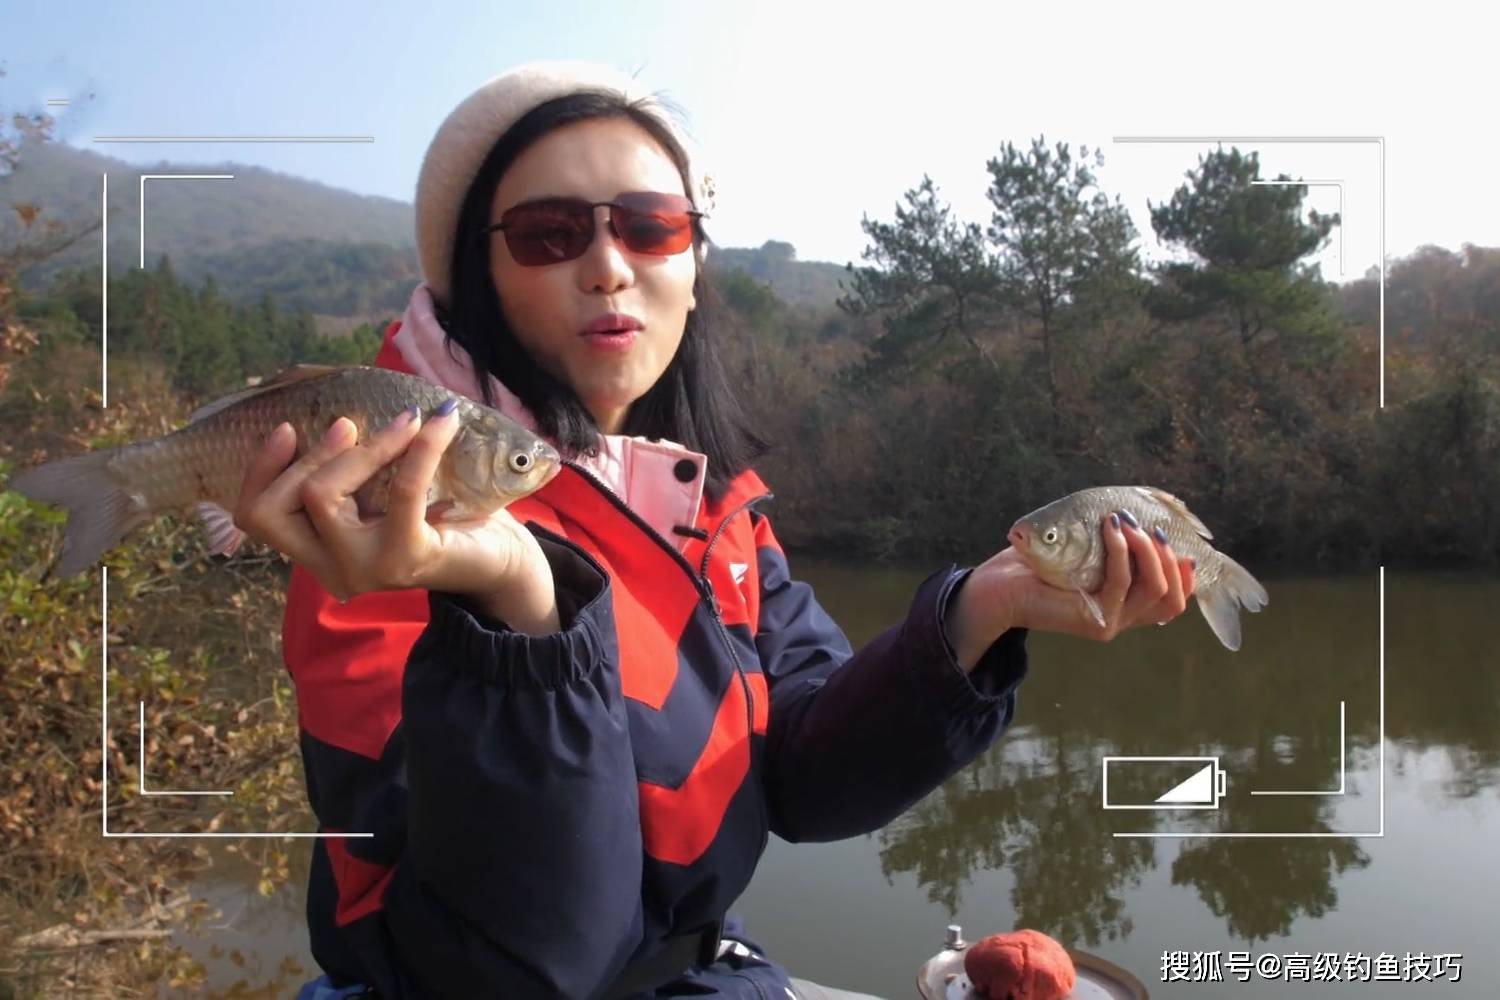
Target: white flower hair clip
x=706 y=195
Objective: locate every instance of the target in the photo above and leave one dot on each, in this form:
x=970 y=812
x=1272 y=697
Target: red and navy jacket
x=546 y=810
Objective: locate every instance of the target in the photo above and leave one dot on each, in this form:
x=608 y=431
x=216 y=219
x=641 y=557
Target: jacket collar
x=651 y=477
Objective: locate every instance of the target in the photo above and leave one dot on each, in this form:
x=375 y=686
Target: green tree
x=931 y=279
x=359 y=347
x=751 y=303
x=1056 y=234
x=301 y=336
x=147 y=312
x=1248 y=242
x=256 y=338
x=210 y=361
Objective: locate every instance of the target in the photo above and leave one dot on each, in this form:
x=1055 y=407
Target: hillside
x=775 y=263
x=194 y=219
x=337 y=253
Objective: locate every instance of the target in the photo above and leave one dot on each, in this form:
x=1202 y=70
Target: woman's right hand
x=1145 y=583
x=308 y=511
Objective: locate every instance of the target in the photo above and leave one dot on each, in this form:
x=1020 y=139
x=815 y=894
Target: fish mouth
x=1017 y=537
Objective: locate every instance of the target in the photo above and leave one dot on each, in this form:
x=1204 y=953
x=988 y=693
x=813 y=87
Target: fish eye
x=520 y=461
x=1050 y=536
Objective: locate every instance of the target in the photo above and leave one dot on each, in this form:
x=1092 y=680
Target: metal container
x=942 y=976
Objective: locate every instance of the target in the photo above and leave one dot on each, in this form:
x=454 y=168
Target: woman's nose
x=604 y=266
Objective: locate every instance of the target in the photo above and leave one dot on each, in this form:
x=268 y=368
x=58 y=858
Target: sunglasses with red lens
x=554 y=230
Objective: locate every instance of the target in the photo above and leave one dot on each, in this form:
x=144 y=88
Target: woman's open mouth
x=612 y=331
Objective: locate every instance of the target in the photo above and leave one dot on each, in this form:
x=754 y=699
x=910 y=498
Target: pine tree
x=1056 y=233
x=1248 y=242
x=931 y=279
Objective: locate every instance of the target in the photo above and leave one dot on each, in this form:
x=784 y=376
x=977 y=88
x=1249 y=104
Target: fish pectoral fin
x=1093 y=605
x=223 y=537
x=443 y=510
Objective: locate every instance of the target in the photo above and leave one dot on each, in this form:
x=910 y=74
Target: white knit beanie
x=471 y=130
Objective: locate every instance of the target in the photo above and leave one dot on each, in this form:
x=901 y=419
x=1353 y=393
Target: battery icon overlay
x=1163 y=782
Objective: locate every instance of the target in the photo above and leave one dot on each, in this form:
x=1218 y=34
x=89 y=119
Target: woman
x=570 y=728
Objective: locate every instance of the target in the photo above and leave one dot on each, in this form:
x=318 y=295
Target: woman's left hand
x=1004 y=593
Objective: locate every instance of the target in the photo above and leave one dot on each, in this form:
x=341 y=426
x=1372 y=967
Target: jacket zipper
x=713 y=601
x=706 y=589
x=723 y=522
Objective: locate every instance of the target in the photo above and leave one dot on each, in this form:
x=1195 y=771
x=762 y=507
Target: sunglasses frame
x=614 y=205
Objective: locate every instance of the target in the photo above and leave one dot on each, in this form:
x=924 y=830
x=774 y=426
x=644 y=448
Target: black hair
x=691 y=403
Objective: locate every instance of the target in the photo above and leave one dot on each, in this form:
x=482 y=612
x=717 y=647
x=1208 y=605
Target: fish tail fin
x=1221 y=603
x=100 y=510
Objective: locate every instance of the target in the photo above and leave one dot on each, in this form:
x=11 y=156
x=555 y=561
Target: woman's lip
x=612 y=323
x=611 y=340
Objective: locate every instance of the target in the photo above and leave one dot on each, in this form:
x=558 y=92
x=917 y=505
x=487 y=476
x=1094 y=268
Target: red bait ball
x=1021 y=965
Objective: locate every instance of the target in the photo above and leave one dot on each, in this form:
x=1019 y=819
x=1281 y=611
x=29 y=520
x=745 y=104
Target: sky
x=813 y=115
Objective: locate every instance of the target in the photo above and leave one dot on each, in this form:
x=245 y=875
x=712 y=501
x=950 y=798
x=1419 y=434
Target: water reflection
x=1033 y=808
x=1259 y=887
x=1443 y=685
x=1036 y=811
x=1271 y=713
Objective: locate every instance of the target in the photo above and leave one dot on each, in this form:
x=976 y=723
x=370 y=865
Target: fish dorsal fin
x=1177 y=507
x=283 y=378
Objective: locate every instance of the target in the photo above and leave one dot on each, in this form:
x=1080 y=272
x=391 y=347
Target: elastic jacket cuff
x=1000 y=669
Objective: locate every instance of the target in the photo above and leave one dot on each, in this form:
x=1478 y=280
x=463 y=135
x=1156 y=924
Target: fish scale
x=1150 y=513
x=110 y=492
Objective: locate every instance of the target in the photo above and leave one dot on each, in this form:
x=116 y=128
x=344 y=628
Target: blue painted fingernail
x=1114 y=521
x=406 y=416
x=1125 y=514
x=1161 y=536
x=449 y=405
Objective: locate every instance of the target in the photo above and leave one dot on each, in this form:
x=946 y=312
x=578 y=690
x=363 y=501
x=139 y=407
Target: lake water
x=1397 y=861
